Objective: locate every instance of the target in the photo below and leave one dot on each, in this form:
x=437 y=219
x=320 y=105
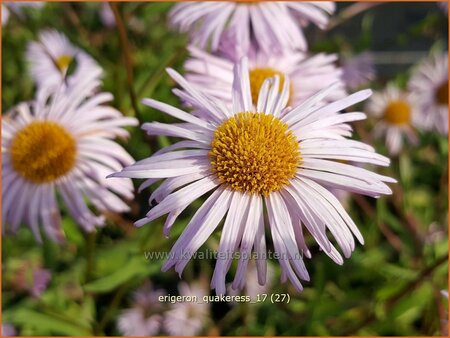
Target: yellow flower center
x=63 y=62
x=259 y=75
x=397 y=112
x=43 y=151
x=255 y=153
x=442 y=94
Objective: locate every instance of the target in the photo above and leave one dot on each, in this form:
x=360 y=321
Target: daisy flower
x=429 y=87
x=307 y=74
x=5 y=15
x=62 y=142
x=144 y=318
x=256 y=160
x=51 y=57
x=273 y=26
x=187 y=318
x=396 y=114
x=358 y=71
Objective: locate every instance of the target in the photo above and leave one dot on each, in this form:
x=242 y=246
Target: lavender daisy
x=396 y=114
x=145 y=317
x=255 y=158
x=273 y=26
x=429 y=87
x=187 y=318
x=51 y=57
x=307 y=74
x=63 y=143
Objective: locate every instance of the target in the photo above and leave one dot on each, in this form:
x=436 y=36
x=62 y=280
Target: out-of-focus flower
x=5 y=15
x=145 y=317
x=213 y=75
x=342 y=195
x=8 y=330
x=252 y=286
x=62 y=142
x=396 y=114
x=358 y=71
x=18 y=6
x=443 y=5
x=254 y=154
x=187 y=318
x=54 y=59
x=444 y=320
x=272 y=26
x=429 y=88
x=32 y=279
x=107 y=15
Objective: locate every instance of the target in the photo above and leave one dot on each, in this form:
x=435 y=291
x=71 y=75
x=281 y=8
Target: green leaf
x=46 y=322
x=137 y=267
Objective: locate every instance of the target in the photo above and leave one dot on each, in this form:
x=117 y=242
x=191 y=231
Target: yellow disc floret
x=442 y=94
x=259 y=75
x=63 y=62
x=255 y=153
x=43 y=151
x=397 y=112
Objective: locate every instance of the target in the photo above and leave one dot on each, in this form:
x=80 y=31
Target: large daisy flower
x=396 y=114
x=256 y=160
x=53 y=59
x=63 y=143
x=307 y=74
x=429 y=87
x=273 y=26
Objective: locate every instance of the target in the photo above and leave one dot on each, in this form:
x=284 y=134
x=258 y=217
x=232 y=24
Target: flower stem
x=405 y=291
x=90 y=256
x=117 y=298
x=126 y=52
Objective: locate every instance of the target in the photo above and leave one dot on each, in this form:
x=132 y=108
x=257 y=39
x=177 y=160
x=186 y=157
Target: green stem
x=150 y=83
x=121 y=291
x=126 y=52
x=90 y=256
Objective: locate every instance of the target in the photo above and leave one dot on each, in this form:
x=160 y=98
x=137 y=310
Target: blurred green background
x=390 y=286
